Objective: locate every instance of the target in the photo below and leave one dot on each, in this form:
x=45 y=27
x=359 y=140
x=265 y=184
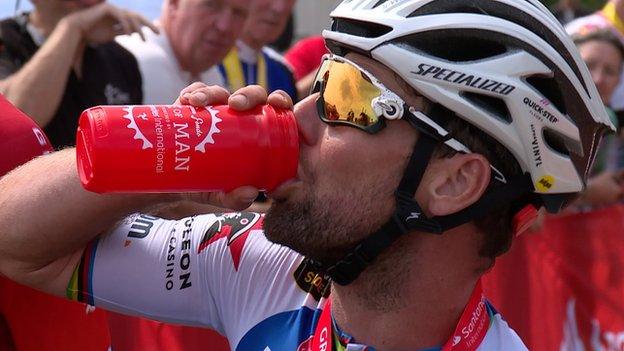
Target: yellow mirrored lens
x=348 y=94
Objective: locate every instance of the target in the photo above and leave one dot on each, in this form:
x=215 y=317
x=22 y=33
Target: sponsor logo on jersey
x=179 y=263
x=236 y=228
x=477 y=323
x=41 y=139
x=140 y=228
x=312 y=282
x=461 y=78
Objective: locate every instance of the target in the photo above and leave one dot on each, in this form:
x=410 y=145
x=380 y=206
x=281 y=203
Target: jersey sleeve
x=206 y=271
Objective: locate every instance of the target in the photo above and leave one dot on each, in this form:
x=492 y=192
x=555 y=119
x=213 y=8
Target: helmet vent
x=505 y=12
x=556 y=142
x=549 y=88
x=454 y=47
x=360 y=29
x=494 y=106
x=434 y=8
x=486 y=7
x=380 y=2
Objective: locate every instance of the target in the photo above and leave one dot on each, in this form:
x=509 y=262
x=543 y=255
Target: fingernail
x=249 y=196
x=186 y=96
x=239 y=99
x=284 y=99
x=202 y=97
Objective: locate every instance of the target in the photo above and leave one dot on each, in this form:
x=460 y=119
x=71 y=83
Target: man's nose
x=308 y=121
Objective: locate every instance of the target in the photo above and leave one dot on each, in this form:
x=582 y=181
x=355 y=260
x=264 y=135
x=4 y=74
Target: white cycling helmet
x=505 y=66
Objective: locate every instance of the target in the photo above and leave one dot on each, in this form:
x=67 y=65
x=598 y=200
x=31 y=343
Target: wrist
x=70 y=28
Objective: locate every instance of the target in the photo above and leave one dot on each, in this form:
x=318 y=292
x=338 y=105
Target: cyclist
x=467 y=116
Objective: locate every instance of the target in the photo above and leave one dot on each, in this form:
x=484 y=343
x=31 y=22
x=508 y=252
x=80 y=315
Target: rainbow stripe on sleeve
x=80 y=287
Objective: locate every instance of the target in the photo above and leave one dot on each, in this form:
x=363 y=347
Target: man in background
x=62 y=53
x=195 y=35
x=251 y=61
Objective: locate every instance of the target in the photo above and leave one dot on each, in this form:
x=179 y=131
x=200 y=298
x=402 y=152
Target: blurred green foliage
x=591 y=4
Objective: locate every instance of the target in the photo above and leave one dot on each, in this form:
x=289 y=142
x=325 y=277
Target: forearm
x=38 y=87
x=46 y=217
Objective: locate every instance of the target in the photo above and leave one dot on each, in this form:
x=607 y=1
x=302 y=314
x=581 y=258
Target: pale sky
x=149 y=8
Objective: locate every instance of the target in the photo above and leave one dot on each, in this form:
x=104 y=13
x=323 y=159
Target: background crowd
x=64 y=56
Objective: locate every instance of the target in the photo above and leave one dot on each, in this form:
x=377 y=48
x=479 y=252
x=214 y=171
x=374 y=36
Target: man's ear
x=452 y=184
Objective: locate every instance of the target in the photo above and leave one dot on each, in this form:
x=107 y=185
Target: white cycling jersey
x=219 y=271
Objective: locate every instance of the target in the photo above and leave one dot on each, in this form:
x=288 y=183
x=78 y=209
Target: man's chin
x=312 y=230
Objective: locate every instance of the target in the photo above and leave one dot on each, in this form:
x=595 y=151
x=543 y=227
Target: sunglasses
x=351 y=96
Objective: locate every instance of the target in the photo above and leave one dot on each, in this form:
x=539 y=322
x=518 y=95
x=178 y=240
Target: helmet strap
x=409 y=217
x=346 y=270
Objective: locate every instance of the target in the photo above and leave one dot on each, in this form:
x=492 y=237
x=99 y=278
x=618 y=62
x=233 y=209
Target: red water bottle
x=185 y=148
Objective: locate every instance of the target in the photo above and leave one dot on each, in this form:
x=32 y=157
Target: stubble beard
x=318 y=231
x=309 y=229
x=323 y=227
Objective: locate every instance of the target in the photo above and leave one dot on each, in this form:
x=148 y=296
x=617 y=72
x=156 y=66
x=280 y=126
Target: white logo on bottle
x=138 y=135
x=213 y=130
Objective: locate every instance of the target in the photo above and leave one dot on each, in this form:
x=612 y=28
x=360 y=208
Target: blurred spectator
x=568 y=10
x=609 y=17
x=60 y=59
x=603 y=53
x=284 y=41
x=195 y=36
x=305 y=57
x=251 y=61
